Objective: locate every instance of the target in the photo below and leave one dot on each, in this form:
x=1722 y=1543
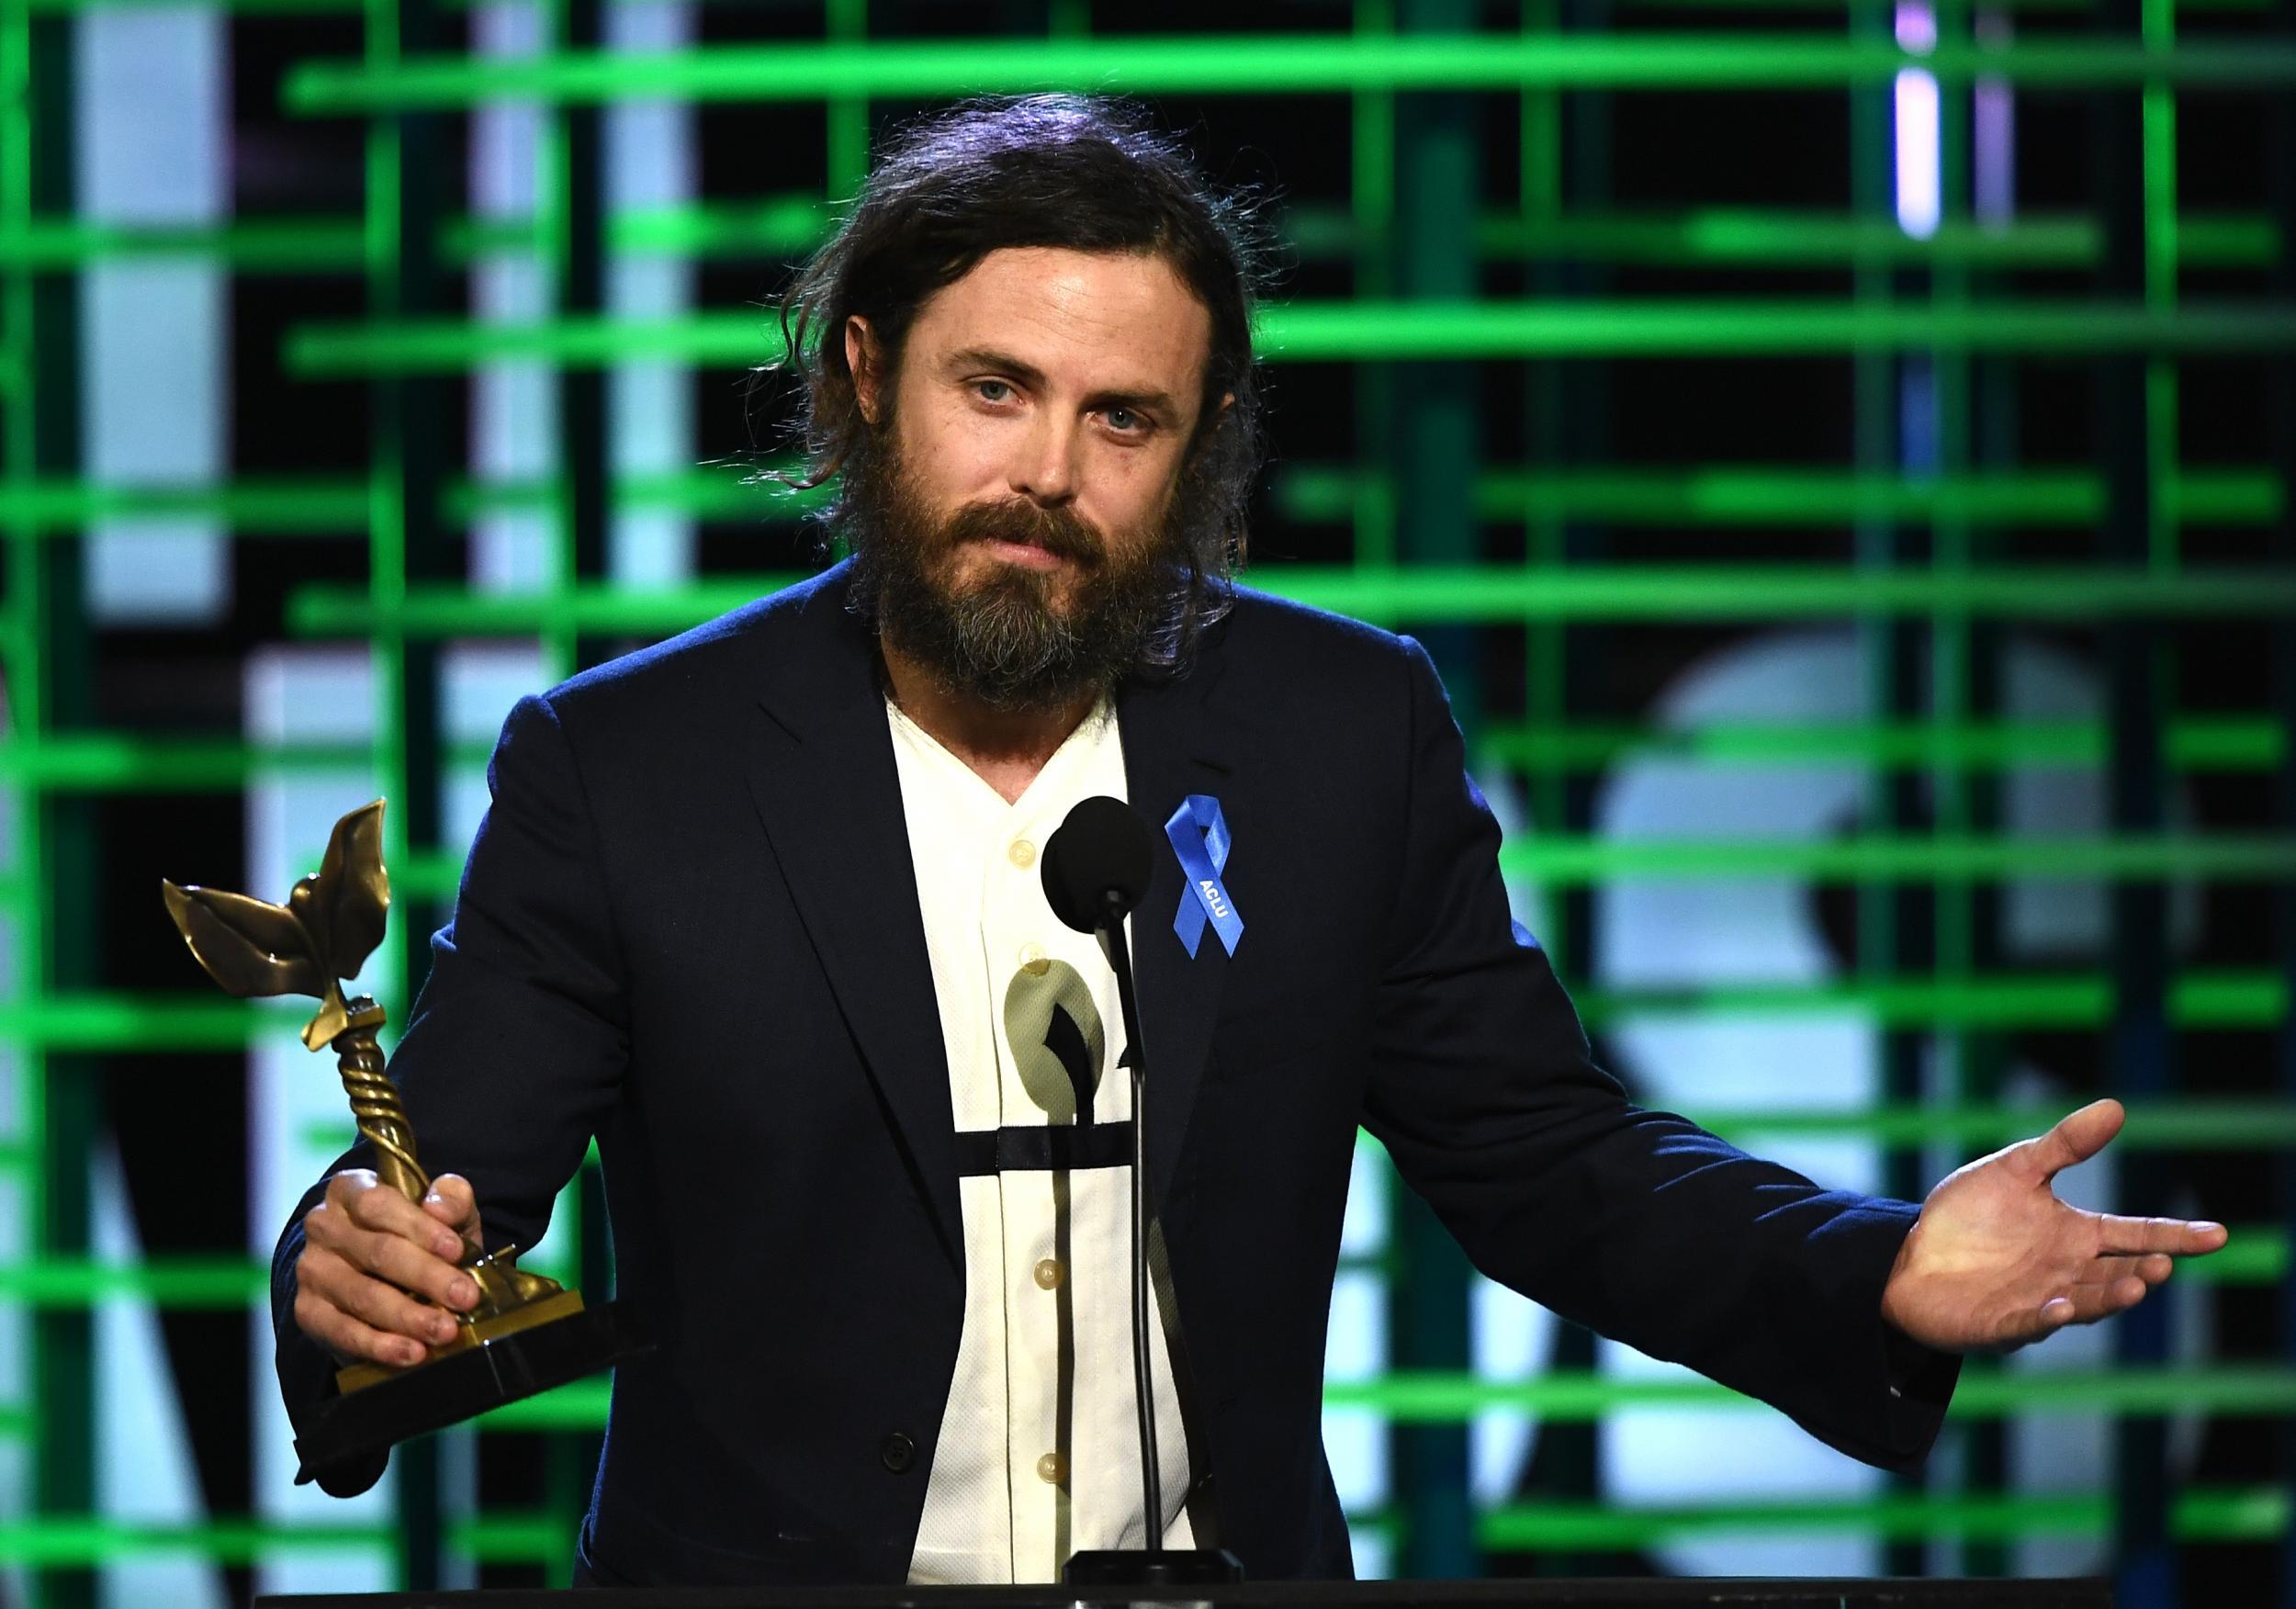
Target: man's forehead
x=1054 y=307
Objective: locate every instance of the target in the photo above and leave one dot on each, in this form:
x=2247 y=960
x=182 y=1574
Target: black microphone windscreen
x=1102 y=846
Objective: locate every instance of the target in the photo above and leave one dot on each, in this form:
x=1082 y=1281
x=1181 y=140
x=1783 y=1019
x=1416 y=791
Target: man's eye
x=991 y=390
x=1124 y=419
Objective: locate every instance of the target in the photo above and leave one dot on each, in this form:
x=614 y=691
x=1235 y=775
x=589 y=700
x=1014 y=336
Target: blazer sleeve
x=1637 y=1223
x=513 y=1053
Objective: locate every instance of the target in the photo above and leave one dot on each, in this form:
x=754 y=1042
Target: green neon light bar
x=171 y=1282
x=720 y=491
x=2248 y=1391
x=2216 y=744
x=1762 y=592
x=511 y=1538
x=66 y=1541
x=1747 y=494
x=779 y=226
x=1367 y=332
x=265 y=505
x=2253 y=1513
x=2193 y=1123
x=1883 y=858
x=1718 y=495
x=251 y=245
x=73 y=1020
x=1780 y=238
x=1676 y=592
x=774 y=225
x=783 y=226
x=227 y=7
x=2209 y=1513
x=2257 y=998
x=1262 y=64
x=107 y=762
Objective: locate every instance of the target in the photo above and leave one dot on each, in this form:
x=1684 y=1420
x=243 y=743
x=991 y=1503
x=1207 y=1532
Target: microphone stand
x=1156 y=1565
x=1151 y=1476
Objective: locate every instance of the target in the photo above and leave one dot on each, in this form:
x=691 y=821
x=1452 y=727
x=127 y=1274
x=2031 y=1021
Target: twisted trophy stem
x=382 y=1116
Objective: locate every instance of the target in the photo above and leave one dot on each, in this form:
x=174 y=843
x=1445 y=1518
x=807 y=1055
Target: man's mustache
x=1060 y=532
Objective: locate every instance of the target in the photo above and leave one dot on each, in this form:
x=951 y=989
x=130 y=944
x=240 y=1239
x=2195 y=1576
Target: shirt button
x=1032 y=959
x=1021 y=853
x=1049 y=1273
x=1051 y=1468
x=897 y=1451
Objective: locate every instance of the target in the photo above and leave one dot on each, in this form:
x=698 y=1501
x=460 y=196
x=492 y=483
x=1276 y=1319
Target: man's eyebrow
x=985 y=357
x=1028 y=373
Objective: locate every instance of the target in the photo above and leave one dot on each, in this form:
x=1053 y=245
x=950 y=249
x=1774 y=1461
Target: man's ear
x=860 y=359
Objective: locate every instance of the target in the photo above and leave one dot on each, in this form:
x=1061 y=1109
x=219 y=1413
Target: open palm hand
x=1997 y=1262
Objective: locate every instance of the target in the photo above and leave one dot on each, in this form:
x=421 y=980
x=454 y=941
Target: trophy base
x=479 y=1333
x=551 y=1343
x=1180 y=1567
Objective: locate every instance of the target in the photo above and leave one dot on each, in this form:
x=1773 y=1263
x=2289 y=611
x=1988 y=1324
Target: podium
x=1714 y=1593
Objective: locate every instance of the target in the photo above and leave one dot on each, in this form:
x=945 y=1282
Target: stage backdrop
x=1836 y=451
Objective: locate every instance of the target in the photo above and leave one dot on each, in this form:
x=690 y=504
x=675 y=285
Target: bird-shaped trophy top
x=330 y=924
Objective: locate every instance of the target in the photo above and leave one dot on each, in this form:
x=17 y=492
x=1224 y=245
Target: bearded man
x=759 y=909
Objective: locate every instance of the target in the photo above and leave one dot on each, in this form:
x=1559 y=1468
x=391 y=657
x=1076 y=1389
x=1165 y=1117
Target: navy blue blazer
x=689 y=926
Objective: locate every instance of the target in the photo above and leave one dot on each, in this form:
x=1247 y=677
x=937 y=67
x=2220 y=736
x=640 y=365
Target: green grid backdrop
x=1455 y=280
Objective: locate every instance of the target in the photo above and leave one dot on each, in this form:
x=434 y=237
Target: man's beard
x=1001 y=640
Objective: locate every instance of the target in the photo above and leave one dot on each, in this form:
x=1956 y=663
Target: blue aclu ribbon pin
x=1199 y=837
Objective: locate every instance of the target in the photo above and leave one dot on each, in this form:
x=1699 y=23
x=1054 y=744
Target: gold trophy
x=526 y=1333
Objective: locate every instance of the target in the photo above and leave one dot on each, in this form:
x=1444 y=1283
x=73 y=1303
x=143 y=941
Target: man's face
x=1018 y=520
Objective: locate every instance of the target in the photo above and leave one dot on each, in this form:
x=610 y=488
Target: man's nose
x=1045 y=470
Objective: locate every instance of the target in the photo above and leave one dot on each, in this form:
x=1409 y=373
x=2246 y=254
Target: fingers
x=410 y=1267
x=349 y=1340
x=357 y=1201
x=2085 y=1303
x=2055 y=1313
x=2077 y=1137
x=376 y=1271
x=345 y=1308
x=2152 y=1269
x=2176 y=1236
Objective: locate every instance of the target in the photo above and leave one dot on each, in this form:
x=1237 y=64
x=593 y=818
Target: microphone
x=1096 y=868
x=1099 y=854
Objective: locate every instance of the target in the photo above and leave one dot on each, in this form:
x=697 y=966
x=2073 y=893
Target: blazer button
x=897 y=1451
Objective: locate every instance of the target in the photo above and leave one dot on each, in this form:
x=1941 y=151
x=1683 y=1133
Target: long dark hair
x=1084 y=173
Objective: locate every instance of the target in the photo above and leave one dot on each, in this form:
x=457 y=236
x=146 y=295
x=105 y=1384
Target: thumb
x=454 y=1203
x=2078 y=1136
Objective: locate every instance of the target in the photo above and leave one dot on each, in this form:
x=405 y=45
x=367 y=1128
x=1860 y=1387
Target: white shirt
x=1038 y=1453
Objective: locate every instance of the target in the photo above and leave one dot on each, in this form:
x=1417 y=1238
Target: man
x=759 y=908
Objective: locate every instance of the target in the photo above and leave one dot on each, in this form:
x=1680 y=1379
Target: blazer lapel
x=820 y=768
x=1171 y=751
x=818 y=758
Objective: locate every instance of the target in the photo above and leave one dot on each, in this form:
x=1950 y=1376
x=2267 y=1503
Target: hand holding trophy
x=525 y=1333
